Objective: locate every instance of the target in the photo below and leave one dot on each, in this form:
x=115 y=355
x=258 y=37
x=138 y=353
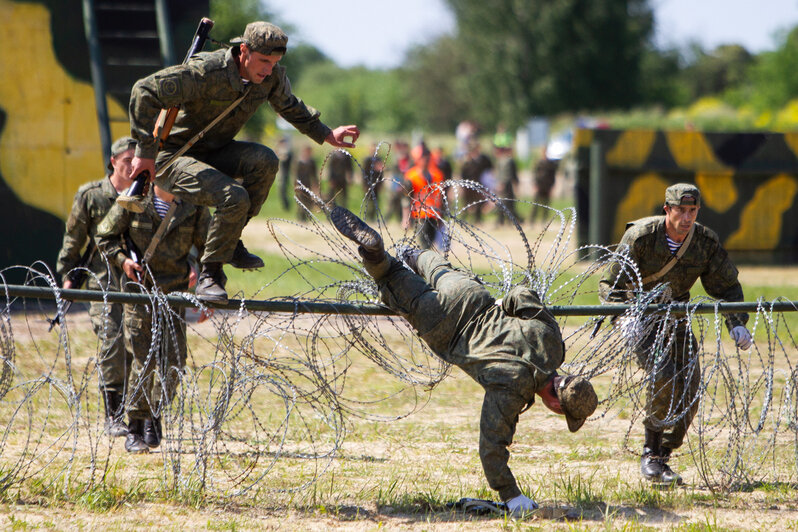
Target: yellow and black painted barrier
x=49 y=134
x=748 y=182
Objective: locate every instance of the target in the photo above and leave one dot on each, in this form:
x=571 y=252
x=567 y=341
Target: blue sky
x=377 y=33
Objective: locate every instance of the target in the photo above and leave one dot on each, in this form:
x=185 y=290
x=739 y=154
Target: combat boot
x=210 y=287
x=244 y=260
x=135 y=437
x=668 y=475
x=114 y=424
x=654 y=463
x=650 y=464
x=153 y=431
x=370 y=242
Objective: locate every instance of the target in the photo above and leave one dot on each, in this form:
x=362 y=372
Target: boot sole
x=246 y=268
x=356 y=230
x=661 y=482
x=205 y=298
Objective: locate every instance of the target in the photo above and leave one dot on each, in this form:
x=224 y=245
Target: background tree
x=715 y=72
x=774 y=76
x=436 y=76
x=538 y=57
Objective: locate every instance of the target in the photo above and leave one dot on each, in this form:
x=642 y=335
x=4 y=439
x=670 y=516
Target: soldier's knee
x=236 y=198
x=266 y=164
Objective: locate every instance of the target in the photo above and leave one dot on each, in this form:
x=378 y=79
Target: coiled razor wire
x=263 y=403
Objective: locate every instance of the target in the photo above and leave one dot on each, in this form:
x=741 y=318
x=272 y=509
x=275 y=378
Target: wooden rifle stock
x=166 y=118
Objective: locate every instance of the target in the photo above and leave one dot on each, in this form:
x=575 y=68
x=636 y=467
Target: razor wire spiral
x=265 y=392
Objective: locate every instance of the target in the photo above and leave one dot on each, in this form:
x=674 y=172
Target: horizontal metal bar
x=299 y=306
x=288 y=305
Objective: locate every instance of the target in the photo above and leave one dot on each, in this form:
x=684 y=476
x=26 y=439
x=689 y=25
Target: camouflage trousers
x=234 y=179
x=669 y=355
x=157 y=366
x=114 y=358
x=428 y=300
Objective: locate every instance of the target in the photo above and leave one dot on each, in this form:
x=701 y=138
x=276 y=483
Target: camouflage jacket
x=203 y=88
x=92 y=202
x=705 y=258
x=481 y=333
x=170 y=263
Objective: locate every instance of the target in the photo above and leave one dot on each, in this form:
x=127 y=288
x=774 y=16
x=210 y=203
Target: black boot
x=654 y=463
x=152 y=432
x=135 y=437
x=668 y=475
x=244 y=260
x=210 y=287
x=650 y=464
x=348 y=224
x=114 y=424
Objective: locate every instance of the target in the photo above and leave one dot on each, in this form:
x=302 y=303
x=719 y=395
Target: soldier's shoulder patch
x=169 y=87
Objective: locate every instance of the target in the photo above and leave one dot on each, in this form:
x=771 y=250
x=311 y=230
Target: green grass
x=280 y=278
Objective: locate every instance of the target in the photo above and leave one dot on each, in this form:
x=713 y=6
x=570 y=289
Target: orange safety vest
x=427 y=199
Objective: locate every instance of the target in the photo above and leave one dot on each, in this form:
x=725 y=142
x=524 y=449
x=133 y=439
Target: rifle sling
x=171 y=160
x=158 y=236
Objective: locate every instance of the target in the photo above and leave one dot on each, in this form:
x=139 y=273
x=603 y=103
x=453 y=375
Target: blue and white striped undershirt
x=673 y=245
x=161 y=207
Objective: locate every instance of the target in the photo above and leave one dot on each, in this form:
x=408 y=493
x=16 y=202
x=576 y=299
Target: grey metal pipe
x=291 y=305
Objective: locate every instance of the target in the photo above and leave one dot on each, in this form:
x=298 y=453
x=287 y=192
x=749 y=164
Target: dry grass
x=395 y=475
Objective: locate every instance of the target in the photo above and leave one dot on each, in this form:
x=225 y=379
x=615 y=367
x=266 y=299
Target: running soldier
x=674 y=249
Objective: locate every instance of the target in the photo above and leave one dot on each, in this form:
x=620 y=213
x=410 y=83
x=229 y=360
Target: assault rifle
x=133 y=197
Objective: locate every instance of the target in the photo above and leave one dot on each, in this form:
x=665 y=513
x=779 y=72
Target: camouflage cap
x=264 y=38
x=578 y=400
x=682 y=194
x=121 y=145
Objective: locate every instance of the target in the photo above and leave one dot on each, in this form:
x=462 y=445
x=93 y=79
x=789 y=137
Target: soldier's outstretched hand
x=338 y=136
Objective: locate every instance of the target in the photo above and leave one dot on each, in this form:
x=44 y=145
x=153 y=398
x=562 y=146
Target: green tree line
x=508 y=60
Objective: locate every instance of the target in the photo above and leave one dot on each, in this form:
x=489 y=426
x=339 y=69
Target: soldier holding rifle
x=156 y=369
x=217 y=171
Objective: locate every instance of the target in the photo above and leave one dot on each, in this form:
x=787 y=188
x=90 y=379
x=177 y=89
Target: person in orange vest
x=426 y=203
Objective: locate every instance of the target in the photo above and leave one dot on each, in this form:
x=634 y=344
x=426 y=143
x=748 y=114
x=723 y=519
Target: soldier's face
x=122 y=164
x=256 y=66
x=679 y=219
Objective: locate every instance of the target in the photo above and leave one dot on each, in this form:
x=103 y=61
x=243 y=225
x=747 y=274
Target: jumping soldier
x=91 y=204
x=205 y=87
x=674 y=249
x=512 y=347
x=155 y=369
